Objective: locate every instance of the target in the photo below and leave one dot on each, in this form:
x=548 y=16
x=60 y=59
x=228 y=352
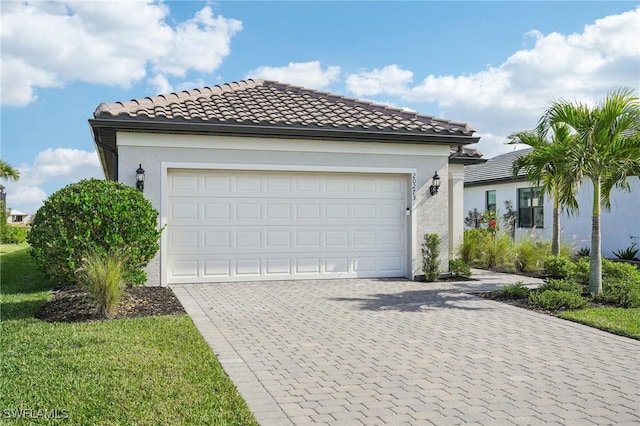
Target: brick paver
x=366 y=351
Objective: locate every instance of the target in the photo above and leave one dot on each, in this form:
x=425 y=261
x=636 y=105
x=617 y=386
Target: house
x=258 y=180
x=18 y=217
x=489 y=185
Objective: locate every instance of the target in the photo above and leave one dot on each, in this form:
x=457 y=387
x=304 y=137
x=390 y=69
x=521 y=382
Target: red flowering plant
x=493 y=226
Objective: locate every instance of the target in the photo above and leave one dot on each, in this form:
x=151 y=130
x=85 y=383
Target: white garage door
x=249 y=225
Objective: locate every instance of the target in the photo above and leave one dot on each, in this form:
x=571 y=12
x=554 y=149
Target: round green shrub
x=559 y=266
x=561 y=285
x=94 y=216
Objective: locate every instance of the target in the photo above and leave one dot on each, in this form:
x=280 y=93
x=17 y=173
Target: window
x=530 y=208
x=490 y=201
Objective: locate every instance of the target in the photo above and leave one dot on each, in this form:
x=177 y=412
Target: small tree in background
x=509 y=219
x=475 y=219
x=94 y=217
x=7 y=173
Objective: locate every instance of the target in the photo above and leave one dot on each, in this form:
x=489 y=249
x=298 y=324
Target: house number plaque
x=413 y=186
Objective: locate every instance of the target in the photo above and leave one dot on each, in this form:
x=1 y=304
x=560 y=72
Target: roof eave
x=467 y=161
x=276 y=131
x=496 y=181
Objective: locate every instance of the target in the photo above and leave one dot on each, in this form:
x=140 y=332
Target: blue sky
x=494 y=65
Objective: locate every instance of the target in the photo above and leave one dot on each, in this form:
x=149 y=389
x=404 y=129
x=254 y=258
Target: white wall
x=429 y=213
x=620 y=227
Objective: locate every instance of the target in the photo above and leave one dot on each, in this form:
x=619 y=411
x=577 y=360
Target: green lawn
x=625 y=322
x=144 y=371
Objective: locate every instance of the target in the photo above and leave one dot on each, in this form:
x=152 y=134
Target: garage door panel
x=256 y=239
x=183 y=269
x=248 y=267
x=278 y=267
x=184 y=211
x=216 y=268
x=278 y=239
x=364 y=264
x=334 y=265
x=238 y=225
x=215 y=211
x=216 y=240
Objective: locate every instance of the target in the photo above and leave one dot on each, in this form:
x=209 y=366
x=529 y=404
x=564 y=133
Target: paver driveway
x=400 y=352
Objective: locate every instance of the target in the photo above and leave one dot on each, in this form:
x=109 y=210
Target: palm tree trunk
x=595 y=266
x=555 y=239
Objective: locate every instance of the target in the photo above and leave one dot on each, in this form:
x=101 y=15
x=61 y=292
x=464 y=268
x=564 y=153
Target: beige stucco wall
x=430 y=214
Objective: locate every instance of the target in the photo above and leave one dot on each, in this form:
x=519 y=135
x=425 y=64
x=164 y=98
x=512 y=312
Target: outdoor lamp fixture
x=435 y=184
x=140 y=178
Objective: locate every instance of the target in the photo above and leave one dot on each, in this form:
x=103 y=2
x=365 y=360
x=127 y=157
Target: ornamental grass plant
x=103 y=275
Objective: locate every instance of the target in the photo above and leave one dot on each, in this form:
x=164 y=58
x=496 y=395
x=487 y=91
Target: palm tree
x=546 y=165
x=7 y=172
x=606 y=151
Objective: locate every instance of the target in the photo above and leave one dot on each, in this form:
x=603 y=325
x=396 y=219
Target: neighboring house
x=16 y=216
x=487 y=186
x=258 y=180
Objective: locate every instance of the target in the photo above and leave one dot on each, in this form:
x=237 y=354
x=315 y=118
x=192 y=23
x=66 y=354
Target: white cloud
x=391 y=80
x=51 y=169
x=66 y=163
x=511 y=97
x=27 y=197
x=306 y=74
x=160 y=84
x=199 y=44
x=45 y=44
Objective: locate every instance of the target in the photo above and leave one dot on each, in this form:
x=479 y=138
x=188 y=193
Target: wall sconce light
x=435 y=184
x=140 y=178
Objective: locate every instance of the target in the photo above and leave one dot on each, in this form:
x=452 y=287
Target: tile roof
x=495 y=169
x=266 y=103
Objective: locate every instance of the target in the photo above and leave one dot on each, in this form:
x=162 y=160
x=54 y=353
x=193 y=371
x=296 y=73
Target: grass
x=622 y=321
x=143 y=371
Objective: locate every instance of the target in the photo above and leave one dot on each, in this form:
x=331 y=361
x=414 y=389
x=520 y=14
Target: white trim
x=259 y=144
x=165 y=166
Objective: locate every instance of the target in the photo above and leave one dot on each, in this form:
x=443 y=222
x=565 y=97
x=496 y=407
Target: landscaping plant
x=558 y=266
x=512 y=291
x=567 y=285
x=555 y=300
x=470 y=248
x=94 y=215
x=623 y=293
x=430 y=257
x=458 y=268
x=496 y=252
x=13 y=234
x=627 y=254
x=529 y=255
x=103 y=277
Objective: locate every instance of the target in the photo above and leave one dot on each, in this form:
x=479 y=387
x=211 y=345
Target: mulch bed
x=73 y=304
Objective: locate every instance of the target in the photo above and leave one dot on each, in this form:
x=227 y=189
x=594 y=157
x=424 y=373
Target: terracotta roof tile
x=269 y=103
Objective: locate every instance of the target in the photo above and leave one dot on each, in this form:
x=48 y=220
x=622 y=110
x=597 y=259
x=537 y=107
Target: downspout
x=113 y=152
